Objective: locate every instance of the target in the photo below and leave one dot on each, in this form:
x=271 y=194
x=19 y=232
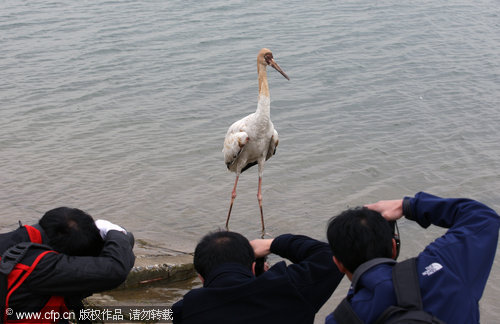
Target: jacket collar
x=45 y=239
x=365 y=267
x=228 y=274
x=370 y=273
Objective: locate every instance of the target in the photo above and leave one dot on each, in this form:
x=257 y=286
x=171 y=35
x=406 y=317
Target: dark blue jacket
x=453 y=270
x=283 y=294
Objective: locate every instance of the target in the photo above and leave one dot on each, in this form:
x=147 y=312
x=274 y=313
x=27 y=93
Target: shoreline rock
x=166 y=268
x=154 y=280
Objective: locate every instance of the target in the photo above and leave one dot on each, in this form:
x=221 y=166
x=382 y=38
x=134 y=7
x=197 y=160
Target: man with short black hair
x=222 y=247
x=358 y=235
x=452 y=271
x=231 y=293
x=53 y=265
x=71 y=231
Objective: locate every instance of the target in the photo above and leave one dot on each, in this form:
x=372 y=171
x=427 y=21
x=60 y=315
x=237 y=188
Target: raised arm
x=60 y=274
x=472 y=237
x=313 y=272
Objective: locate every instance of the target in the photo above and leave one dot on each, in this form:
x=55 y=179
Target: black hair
x=72 y=231
x=358 y=235
x=217 y=248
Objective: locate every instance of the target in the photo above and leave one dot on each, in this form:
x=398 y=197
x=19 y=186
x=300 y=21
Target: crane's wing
x=235 y=141
x=273 y=144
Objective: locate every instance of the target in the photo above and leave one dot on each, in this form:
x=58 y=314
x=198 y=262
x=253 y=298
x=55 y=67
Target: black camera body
x=395 y=236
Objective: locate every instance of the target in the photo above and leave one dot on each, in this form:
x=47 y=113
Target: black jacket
x=283 y=294
x=73 y=277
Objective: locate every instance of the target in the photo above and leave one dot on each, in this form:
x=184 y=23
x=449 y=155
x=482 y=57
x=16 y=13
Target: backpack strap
x=406 y=285
x=16 y=253
x=13 y=256
x=407 y=316
x=21 y=277
x=409 y=298
x=345 y=314
x=9 y=260
x=34 y=234
x=406 y=288
x=365 y=267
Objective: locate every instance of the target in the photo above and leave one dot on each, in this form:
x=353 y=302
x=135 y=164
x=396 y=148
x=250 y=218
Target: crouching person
x=48 y=268
x=232 y=293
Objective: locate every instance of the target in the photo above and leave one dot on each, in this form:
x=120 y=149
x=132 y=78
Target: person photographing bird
x=446 y=280
x=253 y=139
x=232 y=293
x=51 y=266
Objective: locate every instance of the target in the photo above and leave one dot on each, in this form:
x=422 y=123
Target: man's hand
x=261 y=247
x=391 y=210
x=105 y=226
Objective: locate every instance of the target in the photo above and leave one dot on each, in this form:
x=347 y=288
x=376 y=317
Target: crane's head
x=265 y=57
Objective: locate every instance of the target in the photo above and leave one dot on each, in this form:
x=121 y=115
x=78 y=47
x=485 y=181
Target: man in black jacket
x=72 y=258
x=231 y=293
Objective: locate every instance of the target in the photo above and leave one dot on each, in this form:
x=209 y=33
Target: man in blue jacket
x=452 y=271
x=231 y=293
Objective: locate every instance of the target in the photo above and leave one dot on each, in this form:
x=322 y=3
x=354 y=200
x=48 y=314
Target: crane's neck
x=263 y=85
x=263 y=112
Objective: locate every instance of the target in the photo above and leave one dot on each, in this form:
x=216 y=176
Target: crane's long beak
x=277 y=68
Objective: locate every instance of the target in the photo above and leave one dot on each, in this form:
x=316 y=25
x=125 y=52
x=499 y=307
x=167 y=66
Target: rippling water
x=120 y=108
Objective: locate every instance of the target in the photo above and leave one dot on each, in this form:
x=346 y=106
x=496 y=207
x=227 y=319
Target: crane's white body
x=253 y=139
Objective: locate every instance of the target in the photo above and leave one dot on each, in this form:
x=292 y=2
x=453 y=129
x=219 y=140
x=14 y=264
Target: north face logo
x=432 y=268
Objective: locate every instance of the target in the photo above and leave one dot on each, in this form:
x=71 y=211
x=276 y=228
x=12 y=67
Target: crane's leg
x=233 y=196
x=259 y=198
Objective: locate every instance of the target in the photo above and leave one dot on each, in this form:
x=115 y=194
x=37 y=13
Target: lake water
x=120 y=108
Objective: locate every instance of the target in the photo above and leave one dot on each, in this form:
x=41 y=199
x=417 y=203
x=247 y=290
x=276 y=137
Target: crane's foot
x=264 y=234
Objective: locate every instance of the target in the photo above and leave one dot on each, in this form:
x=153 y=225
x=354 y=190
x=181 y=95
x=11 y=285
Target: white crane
x=253 y=139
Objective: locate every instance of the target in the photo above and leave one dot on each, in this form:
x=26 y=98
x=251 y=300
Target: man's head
x=358 y=235
x=72 y=231
x=217 y=248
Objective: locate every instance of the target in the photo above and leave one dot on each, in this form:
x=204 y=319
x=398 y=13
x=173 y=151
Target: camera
x=260 y=266
x=395 y=236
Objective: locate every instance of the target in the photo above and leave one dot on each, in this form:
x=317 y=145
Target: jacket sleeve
x=177 y=311
x=469 y=245
x=60 y=274
x=313 y=271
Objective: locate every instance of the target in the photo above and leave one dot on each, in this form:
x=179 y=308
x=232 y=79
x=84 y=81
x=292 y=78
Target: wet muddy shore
x=159 y=278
